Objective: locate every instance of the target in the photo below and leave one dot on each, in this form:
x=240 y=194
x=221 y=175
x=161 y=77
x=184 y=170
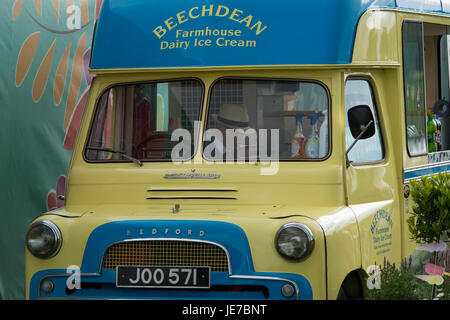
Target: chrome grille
x=166 y=253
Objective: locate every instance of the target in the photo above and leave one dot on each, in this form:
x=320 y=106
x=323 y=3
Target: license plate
x=162 y=277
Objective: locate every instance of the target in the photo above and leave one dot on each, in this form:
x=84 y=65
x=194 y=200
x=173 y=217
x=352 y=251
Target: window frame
x=378 y=116
x=440 y=64
x=253 y=78
x=120 y=84
x=404 y=87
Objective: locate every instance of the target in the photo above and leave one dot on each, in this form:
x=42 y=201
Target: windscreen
x=137 y=120
x=267 y=119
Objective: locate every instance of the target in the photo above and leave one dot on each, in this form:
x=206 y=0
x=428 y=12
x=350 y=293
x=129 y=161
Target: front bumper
x=240 y=282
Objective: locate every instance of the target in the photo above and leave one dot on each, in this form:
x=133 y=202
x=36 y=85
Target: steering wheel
x=160 y=138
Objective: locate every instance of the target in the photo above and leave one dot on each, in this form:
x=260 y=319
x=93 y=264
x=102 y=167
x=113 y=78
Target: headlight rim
x=57 y=234
x=309 y=235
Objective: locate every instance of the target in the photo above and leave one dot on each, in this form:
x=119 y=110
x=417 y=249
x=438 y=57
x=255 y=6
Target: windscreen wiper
x=122 y=153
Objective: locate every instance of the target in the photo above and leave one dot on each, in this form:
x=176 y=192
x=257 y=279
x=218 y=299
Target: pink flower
x=55 y=198
x=433 y=247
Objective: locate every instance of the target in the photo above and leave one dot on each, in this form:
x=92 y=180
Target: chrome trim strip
x=427 y=166
x=201 y=197
x=423 y=167
x=170 y=239
x=158 y=189
x=99 y=274
x=192 y=176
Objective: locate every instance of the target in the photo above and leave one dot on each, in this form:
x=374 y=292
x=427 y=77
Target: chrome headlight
x=43 y=239
x=294 y=241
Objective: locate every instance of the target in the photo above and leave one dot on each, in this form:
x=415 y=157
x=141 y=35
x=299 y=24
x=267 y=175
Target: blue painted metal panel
x=186 y=33
x=97 y=282
x=103 y=287
x=140 y=33
x=226 y=234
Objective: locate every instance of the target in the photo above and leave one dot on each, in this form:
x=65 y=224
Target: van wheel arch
x=352 y=286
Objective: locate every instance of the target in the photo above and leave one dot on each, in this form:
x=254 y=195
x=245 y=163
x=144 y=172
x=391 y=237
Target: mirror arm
x=363 y=130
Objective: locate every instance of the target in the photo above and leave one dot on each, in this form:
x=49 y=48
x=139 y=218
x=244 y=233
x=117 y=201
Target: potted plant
x=429 y=220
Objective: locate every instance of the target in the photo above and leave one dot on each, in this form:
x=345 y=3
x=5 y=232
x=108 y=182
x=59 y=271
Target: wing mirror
x=362 y=126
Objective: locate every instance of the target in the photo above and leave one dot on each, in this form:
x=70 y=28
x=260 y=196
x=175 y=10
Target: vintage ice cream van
x=247 y=150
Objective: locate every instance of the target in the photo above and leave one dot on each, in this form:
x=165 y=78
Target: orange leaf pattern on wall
x=70 y=64
x=75 y=82
x=74 y=122
x=26 y=56
x=61 y=76
x=40 y=82
x=84 y=11
x=38 y=5
x=56 y=8
x=17 y=8
x=98 y=6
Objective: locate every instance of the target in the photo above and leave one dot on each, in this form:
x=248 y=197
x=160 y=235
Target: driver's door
x=371 y=181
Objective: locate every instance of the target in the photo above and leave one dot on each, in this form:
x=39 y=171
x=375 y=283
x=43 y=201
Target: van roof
x=142 y=34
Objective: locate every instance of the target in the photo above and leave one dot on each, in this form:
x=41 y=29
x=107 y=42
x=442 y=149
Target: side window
x=414 y=88
x=359 y=92
x=426 y=89
x=441 y=108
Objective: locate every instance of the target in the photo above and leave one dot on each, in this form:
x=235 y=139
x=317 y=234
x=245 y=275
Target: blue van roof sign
x=184 y=33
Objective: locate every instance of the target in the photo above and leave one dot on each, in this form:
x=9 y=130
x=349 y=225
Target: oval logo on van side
x=192 y=176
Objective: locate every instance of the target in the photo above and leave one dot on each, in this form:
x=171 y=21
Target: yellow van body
x=342 y=206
